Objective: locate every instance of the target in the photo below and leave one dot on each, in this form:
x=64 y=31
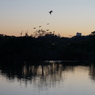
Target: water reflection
x=48 y=78
x=41 y=73
x=92 y=71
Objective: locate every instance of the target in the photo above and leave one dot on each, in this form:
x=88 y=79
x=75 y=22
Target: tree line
x=47 y=46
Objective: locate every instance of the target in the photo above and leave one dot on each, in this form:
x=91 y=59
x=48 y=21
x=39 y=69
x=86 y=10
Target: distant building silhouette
x=78 y=34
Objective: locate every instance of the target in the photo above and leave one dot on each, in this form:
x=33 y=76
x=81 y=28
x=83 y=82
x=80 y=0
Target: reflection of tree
x=54 y=71
x=69 y=68
x=43 y=74
x=92 y=71
x=47 y=75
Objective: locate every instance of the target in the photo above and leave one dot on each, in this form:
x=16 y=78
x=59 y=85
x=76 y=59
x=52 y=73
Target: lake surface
x=47 y=78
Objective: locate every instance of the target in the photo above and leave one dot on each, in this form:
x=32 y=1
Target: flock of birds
x=47 y=23
x=40 y=26
x=50 y=12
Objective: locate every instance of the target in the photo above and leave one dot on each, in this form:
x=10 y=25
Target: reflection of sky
x=69 y=16
x=76 y=82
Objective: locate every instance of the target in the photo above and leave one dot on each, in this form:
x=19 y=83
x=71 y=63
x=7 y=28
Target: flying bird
x=34 y=28
x=40 y=26
x=21 y=33
x=47 y=23
x=50 y=12
x=47 y=29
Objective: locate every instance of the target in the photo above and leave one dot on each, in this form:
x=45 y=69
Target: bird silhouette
x=47 y=29
x=47 y=23
x=21 y=33
x=40 y=26
x=50 y=12
x=34 y=28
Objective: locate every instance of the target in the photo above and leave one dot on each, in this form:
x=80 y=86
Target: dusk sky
x=68 y=17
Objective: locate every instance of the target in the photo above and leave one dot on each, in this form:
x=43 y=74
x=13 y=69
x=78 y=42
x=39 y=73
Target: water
x=47 y=79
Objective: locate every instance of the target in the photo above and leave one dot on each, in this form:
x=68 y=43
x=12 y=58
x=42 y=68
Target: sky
x=68 y=17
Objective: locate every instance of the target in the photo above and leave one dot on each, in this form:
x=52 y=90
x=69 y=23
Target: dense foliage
x=47 y=47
